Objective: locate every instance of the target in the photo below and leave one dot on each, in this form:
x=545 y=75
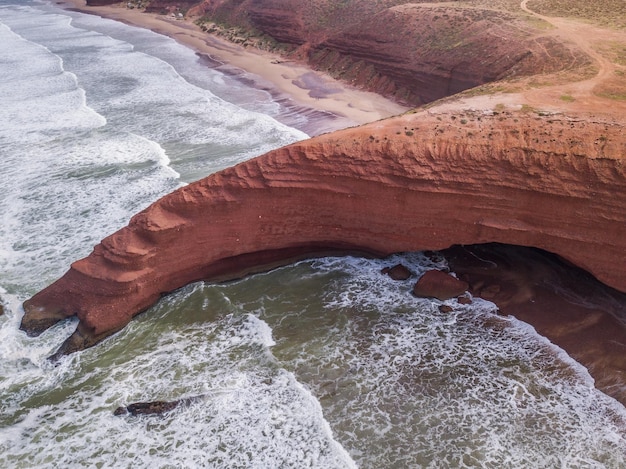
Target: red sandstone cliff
x=409 y=183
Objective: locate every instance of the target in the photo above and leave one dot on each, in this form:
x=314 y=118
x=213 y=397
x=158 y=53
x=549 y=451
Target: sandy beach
x=330 y=104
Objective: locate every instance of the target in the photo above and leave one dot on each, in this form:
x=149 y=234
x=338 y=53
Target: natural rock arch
x=411 y=183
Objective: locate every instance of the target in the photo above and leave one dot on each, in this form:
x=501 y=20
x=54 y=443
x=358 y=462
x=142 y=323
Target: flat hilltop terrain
x=597 y=88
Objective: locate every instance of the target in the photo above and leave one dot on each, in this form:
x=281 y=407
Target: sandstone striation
x=420 y=53
x=415 y=182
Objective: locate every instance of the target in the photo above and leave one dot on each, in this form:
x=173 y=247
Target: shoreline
x=565 y=304
x=328 y=103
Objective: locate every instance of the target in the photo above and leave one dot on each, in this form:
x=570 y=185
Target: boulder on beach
x=437 y=284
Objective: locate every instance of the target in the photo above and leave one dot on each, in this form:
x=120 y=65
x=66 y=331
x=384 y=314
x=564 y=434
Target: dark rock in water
x=1 y=309
x=464 y=300
x=100 y=3
x=147 y=408
x=446 y=308
x=437 y=284
x=153 y=407
x=397 y=272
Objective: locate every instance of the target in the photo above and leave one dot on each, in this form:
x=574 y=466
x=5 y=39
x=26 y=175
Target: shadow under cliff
x=562 y=302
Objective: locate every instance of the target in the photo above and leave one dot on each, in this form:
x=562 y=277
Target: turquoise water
x=325 y=363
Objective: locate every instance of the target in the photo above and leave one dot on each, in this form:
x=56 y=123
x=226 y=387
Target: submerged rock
x=464 y=300
x=153 y=407
x=397 y=272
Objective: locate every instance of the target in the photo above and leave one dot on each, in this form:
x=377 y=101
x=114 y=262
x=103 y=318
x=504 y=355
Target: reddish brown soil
x=417 y=52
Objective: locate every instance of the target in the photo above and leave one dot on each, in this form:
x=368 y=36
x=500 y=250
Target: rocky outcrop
x=164 y=7
x=97 y=3
x=440 y=285
x=397 y=272
x=154 y=407
x=414 y=182
x=147 y=408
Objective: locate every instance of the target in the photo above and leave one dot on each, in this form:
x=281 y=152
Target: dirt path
x=573 y=32
x=581 y=95
x=570 y=92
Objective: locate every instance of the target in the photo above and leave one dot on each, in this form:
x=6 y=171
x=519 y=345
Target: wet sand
x=563 y=303
x=329 y=104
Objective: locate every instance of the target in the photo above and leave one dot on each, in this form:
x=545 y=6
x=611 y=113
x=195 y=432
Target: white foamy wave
x=234 y=87
x=403 y=384
x=369 y=286
x=142 y=94
x=63 y=198
x=161 y=155
x=38 y=95
x=173 y=111
x=524 y=329
x=246 y=411
x=260 y=330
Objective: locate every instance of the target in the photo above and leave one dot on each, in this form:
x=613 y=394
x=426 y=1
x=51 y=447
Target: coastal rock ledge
x=414 y=182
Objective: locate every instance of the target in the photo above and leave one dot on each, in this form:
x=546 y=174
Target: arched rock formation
x=414 y=182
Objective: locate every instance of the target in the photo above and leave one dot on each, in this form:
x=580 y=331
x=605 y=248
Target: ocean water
x=325 y=363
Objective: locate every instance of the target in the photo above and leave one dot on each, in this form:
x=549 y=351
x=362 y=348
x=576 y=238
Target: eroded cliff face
x=410 y=183
x=418 y=54
x=414 y=52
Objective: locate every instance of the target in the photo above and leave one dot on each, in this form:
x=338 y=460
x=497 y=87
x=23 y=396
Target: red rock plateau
x=440 y=285
x=409 y=183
